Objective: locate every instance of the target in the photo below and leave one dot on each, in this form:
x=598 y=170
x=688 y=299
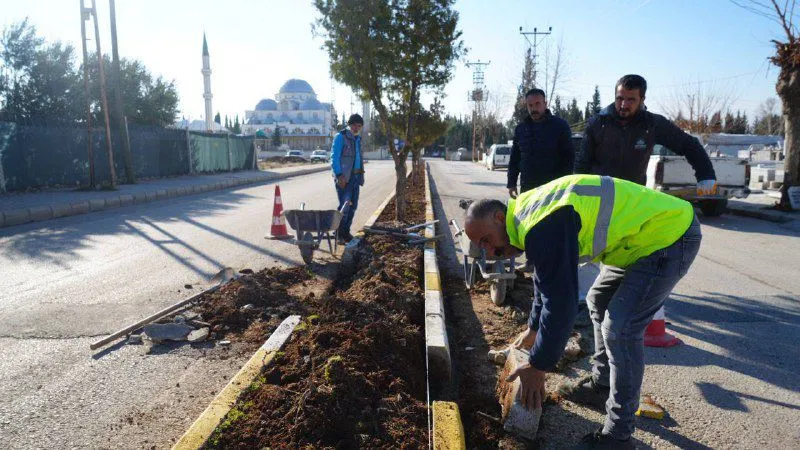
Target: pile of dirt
x=353 y=373
x=250 y=308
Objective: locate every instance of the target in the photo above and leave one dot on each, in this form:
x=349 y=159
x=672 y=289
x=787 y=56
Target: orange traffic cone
x=278 y=229
x=656 y=333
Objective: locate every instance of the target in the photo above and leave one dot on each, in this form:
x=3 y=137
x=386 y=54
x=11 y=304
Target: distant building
x=304 y=122
x=200 y=125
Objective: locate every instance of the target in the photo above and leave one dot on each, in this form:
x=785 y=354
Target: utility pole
x=119 y=109
x=85 y=14
x=478 y=97
x=535 y=33
x=104 y=98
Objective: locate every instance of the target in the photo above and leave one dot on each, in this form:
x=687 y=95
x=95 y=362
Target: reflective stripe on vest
x=606 y=194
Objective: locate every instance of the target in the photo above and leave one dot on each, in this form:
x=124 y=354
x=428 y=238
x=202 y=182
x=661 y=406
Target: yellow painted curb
x=202 y=428
x=448 y=431
x=432 y=281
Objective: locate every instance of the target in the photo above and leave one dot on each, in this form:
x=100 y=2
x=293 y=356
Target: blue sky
x=256 y=45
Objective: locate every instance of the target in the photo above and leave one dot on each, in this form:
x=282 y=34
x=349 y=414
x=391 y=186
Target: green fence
x=33 y=156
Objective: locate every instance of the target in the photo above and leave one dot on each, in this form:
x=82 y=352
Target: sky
x=255 y=46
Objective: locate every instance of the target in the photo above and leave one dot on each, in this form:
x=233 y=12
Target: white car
x=319 y=156
x=295 y=153
x=499 y=156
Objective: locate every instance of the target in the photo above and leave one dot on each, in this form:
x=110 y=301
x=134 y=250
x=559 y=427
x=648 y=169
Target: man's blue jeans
x=348 y=193
x=622 y=303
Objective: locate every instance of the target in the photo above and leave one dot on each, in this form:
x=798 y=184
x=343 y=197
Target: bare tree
x=695 y=103
x=767 y=112
x=558 y=71
x=787 y=58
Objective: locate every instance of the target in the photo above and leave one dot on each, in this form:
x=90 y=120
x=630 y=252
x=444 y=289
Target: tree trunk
x=400 y=188
x=788 y=88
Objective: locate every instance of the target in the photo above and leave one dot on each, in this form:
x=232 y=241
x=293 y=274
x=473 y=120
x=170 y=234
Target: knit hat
x=355 y=118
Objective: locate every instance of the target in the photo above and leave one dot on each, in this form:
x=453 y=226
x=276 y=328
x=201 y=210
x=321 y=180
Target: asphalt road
x=733 y=383
x=65 y=283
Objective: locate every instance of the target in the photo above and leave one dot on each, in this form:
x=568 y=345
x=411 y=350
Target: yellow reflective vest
x=621 y=221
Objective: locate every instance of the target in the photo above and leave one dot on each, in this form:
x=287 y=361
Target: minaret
x=207 y=84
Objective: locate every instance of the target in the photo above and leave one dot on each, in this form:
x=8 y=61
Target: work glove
x=706 y=187
x=512 y=192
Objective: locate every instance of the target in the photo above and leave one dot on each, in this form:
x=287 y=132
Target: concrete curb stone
x=40 y=213
x=17 y=217
x=113 y=202
x=80 y=207
x=97 y=204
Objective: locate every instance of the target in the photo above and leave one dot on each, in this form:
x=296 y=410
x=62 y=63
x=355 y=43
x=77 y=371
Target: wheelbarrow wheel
x=307 y=248
x=469 y=272
x=497 y=288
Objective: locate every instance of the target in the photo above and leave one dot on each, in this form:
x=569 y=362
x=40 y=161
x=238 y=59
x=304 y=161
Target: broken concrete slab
x=167 y=331
x=199 y=335
x=516 y=418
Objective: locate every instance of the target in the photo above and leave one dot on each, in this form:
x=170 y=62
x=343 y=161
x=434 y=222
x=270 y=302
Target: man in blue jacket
x=348 y=172
x=542 y=149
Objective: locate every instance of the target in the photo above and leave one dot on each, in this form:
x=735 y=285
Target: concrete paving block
x=172 y=192
x=39 y=213
x=17 y=217
x=150 y=195
x=97 y=204
x=80 y=208
x=113 y=202
x=438 y=347
x=161 y=193
x=181 y=191
x=516 y=418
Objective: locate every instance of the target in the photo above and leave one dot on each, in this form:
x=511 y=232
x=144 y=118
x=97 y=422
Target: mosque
x=304 y=122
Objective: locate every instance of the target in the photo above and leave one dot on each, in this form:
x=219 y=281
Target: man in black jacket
x=619 y=140
x=542 y=149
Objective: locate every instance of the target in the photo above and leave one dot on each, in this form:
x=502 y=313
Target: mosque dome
x=296 y=86
x=267 y=104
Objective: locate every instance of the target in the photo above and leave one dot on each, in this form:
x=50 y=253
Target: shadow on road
x=61 y=242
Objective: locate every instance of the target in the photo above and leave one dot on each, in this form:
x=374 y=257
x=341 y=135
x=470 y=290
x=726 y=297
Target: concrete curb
x=438 y=347
x=22 y=216
x=448 y=430
x=755 y=213
x=202 y=428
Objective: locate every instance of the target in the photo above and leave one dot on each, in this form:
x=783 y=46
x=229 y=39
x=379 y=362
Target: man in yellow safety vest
x=652 y=236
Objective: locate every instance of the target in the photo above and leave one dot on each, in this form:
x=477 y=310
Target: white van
x=499 y=156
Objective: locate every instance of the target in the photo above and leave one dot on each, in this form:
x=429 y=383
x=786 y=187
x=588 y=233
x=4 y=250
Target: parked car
x=499 y=156
x=295 y=154
x=319 y=156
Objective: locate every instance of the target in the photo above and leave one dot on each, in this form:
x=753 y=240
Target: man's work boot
x=585 y=392
x=597 y=440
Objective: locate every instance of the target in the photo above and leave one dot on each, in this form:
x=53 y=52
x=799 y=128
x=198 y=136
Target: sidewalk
x=757 y=205
x=17 y=208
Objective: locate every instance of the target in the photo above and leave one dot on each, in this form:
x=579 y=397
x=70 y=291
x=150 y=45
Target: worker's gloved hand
x=341 y=181
x=512 y=192
x=706 y=187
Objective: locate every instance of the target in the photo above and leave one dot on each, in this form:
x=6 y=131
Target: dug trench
x=353 y=372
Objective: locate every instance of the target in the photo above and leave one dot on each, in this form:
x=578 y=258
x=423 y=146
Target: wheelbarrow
x=499 y=271
x=312 y=226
